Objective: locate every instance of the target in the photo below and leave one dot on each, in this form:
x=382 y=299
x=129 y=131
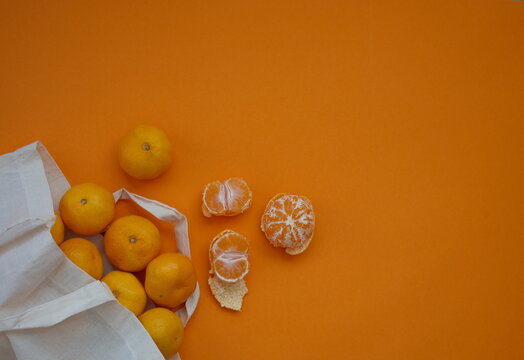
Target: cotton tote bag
x=50 y=308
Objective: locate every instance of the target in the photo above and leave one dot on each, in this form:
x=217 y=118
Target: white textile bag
x=50 y=308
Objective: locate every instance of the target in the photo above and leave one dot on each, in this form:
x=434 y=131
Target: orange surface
x=403 y=122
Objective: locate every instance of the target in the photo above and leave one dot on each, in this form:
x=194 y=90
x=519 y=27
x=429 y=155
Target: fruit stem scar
x=146 y=146
x=83 y=201
x=132 y=239
x=115 y=293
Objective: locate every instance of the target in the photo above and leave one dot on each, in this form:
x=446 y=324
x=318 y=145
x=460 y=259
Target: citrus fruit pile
x=131 y=243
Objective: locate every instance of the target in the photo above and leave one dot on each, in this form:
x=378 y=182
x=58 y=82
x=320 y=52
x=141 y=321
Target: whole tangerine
x=57 y=230
x=84 y=254
x=170 y=279
x=165 y=328
x=127 y=290
x=145 y=152
x=131 y=242
x=87 y=208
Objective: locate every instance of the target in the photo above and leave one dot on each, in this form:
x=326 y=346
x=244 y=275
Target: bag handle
x=167 y=213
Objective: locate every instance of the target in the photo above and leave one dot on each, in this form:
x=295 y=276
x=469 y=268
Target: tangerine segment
x=228 y=241
x=289 y=222
x=230 y=198
x=213 y=199
x=231 y=267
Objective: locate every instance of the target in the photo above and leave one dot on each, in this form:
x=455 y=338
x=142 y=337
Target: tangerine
x=57 y=230
x=170 y=279
x=131 y=242
x=228 y=255
x=165 y=328
x=289 y=222
x=127 y=290
x=230 y=198
x=84 y=254
x=87 y=208
x=145 y=152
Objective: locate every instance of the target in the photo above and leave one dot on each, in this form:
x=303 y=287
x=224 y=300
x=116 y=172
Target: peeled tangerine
x=289 y=222
x=228 y=255
x=230 y=198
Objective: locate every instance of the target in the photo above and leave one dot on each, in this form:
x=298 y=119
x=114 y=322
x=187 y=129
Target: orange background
x=402 y=121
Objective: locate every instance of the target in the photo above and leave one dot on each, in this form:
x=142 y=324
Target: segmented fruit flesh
x=228 y=255
x=289 y=221
x=230 y=198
